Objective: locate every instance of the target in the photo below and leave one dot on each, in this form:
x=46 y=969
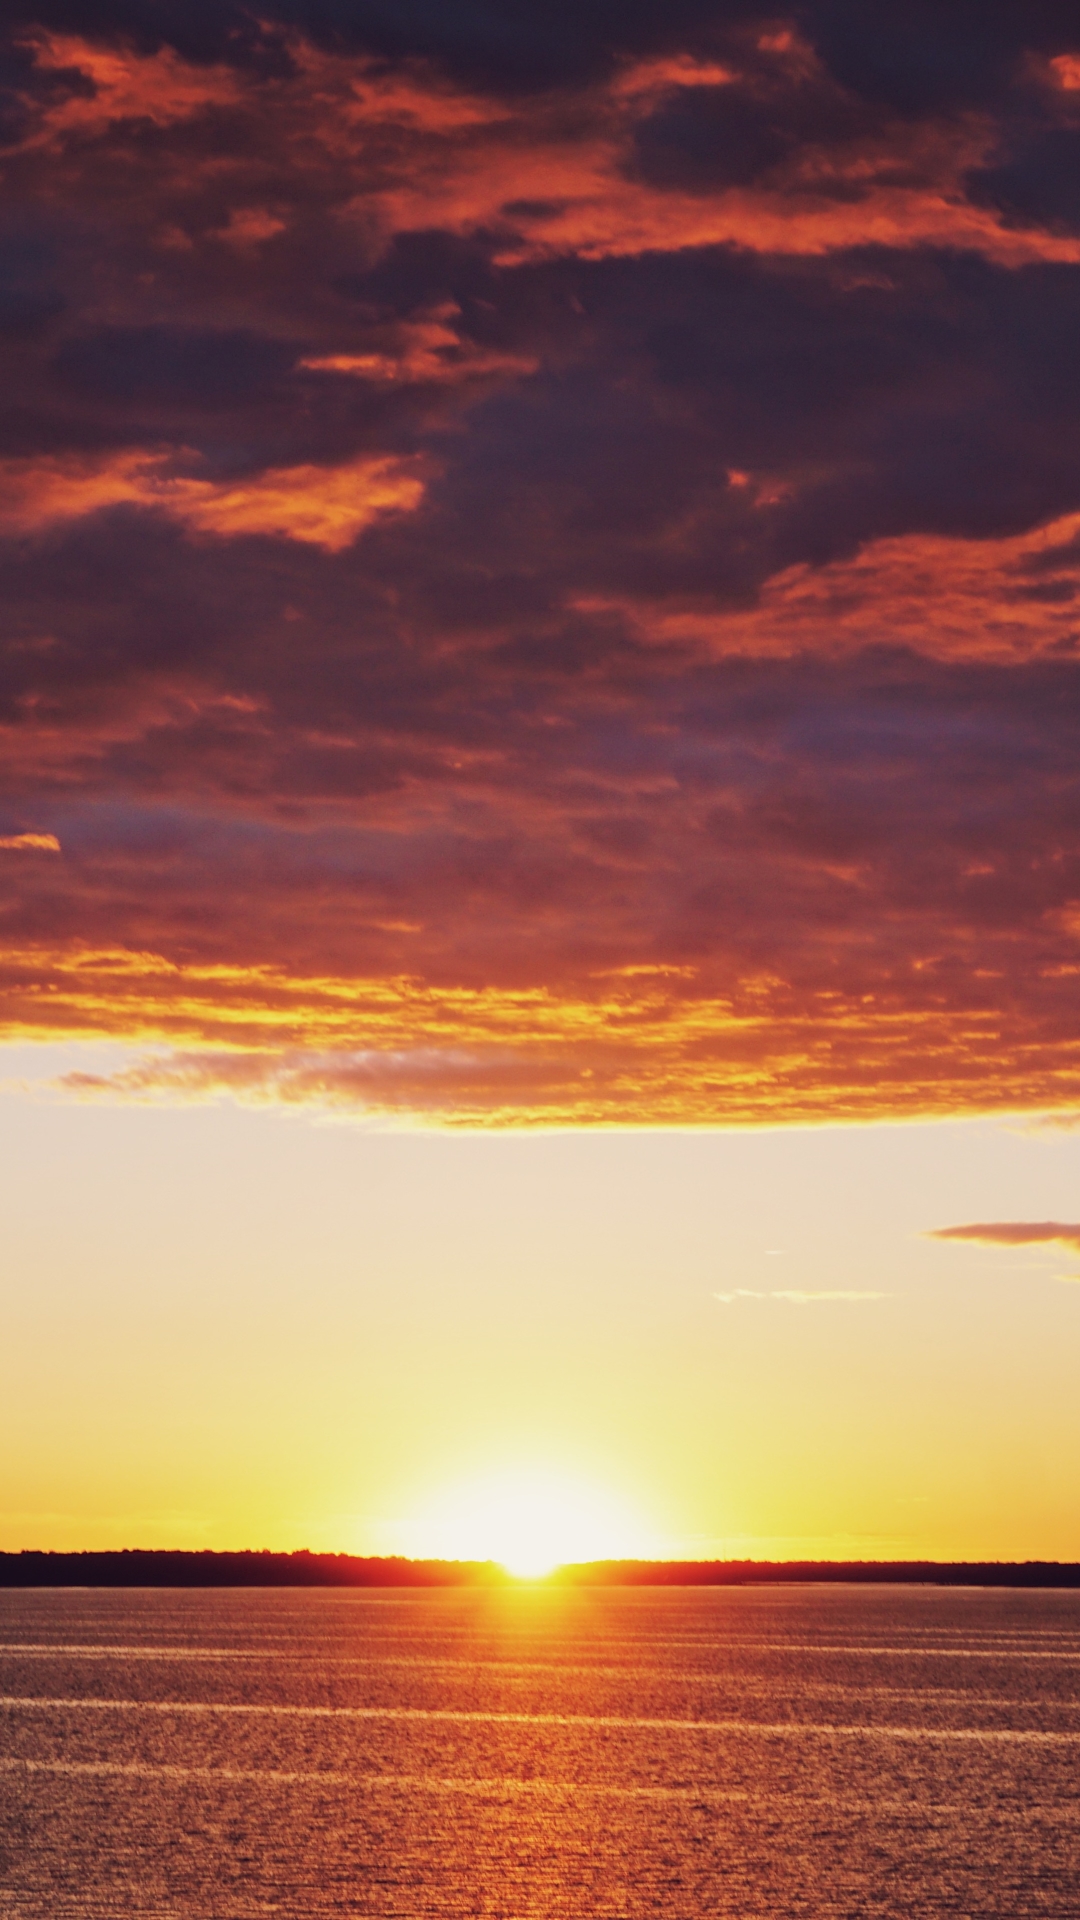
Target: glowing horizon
x=250 y=1331
x=528 y=1521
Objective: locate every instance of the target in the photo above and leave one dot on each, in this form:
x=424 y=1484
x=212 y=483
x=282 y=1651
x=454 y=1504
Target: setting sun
x=530 y=1522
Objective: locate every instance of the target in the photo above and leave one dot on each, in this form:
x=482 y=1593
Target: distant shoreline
x=162 y=1567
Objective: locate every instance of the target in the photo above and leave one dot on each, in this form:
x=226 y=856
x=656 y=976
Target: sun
x=530 y=1521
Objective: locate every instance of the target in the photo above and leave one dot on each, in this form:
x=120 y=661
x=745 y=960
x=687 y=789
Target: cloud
x=540 y=562
x=1015 y=1233
x=797 y=1296
x=327 y=507
x=160 y=87
x=805 y=1299
x=764 y=149
x=29 y=843
x=1006 y=599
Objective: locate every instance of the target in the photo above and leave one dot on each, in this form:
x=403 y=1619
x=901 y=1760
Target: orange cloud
x=324 y=506
x=30 y=843
x=425 y=349
x=901 y=187
x=405 y=151
x=615 y=220
x=1015 y=1233
x=639 y=1053
x=1066 y=71
x=1004 y=600
x=160 y=87
x=585 y=207
x=248 y=227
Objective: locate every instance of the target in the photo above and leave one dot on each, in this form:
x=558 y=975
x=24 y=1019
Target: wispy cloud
x=1018 y=1233
x=799 y=1296
x=1014 y=1233
x=30 y=843
x=325 y=506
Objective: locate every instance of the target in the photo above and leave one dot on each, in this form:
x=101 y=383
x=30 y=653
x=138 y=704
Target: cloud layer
x=539 y=563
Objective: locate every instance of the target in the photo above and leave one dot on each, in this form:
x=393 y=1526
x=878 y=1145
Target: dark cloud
x=170 y=368
x=511 y=45
x=770 y=110
x=923 y=58
x=703 y=138
x=25 y=88
x=1038 y=185
x=25 y=309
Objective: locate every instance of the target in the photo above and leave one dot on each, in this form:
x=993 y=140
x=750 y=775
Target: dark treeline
x=137 y=1567
x=146 y=1567
x=745 y=1573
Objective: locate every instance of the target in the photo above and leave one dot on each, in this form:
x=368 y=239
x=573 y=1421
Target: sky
x=539 y=836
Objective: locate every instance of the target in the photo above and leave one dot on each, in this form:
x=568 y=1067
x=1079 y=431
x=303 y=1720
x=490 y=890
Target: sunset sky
x=540 y=790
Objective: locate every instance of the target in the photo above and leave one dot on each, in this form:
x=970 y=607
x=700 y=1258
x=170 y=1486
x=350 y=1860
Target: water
x=794 y=1751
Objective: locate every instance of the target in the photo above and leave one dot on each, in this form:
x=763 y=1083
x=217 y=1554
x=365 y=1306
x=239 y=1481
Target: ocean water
x=540 y=1752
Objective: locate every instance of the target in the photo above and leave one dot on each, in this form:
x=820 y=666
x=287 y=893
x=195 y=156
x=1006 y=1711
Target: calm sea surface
x=794 y=1751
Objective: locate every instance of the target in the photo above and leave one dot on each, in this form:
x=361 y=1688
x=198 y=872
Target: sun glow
x=530 y=1522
